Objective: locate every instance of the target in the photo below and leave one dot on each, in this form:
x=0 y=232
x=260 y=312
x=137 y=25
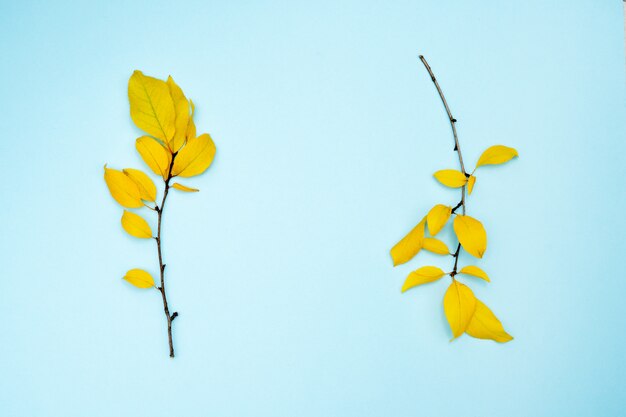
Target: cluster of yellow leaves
x=464 y=312
x=170 y=149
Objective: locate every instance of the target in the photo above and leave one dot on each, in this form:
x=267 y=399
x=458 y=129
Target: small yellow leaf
x=154 y=155
x=181 y=106
x=451 y=178
x=151 y=106
x=123 y=189
x=410 y=245
x=485 y=325
x=475 y=272
x=421 y=276
x=471 y=235
x=195 y=157
x=146 y=186
x=139 y=278
x=459 y=305
x=495 y=155
x=191 y=127
x=437 y=218
x=470 y=184
x=435 y=245
x=184 y=188
x=135 y=225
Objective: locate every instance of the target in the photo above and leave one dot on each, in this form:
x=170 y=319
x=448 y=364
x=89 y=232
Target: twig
x=457 y=148
x=159 y=210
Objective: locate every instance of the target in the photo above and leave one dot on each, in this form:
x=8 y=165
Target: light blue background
x=328 y=130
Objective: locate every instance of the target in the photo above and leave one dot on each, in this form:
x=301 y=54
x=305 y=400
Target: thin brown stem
x=457 y=148
x=159 y=210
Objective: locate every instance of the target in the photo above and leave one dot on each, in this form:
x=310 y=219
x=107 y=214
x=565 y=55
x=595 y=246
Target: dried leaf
x=146 y=186
x=410 y=245
x=195 y=157
x=459 y=305
x=139 y=278
x=475 y=272
x=181 y=187
x=471 y=235
x=151 y=106
x=495 y=155
x=135 y=225
x=421 y=276
x=154 y=155
x=451 y=178
x=123 y=189
x=437 y=218
x=485 y=325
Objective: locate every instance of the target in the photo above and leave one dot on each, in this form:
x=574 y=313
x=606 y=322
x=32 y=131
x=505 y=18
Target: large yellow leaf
x=410 y=245
x=146 y=186
x=437 y=218
x=421 y=276
x=471 y=235
x=470 y=184
x=135 y=225
x=475 y=272
x=139 y=278
x=451 y=178
x=151 y=106
x=195 y=157
x=459 y=305
x=123 y=189
x=154 y=155
x=435 y=245
x=485 y=325
x=181 y=106
x=495 y=155
x=181 y=187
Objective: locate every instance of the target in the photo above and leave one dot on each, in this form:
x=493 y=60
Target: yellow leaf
x=154 y=155
x=123 y=189
x=139 y=278
x=191 y=127
x=451 y=178
x=470 y=184
x=485 y=325
x=435 y=245
x=421 y=276
x=459 y=305
x=495 y=155
x=475 y=272
x=135 y=225
x=151 y=106
x=146 y=186
x=471 y=235
x=437 y=218
x=181 y=106
x=195 y=157
x=184 y=188
x=409 y=246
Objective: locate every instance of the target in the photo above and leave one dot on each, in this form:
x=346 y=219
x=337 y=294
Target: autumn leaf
x=151 y=106
x=146 y=186
x=435 y=245
x=135 y=225
x=410 y=245
x=154 y=155
x=470 y=184
x=139 y=278
x=471 y=235
x=475 y=272
x=459 y=305
x=191 y=126
x=181 y=187
x=122 y=189
x=421 y=276
x=451 y=178
x=195 y=157
x=181 y=106
x=495 y=155
x=437 y=218
x=485 y=325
